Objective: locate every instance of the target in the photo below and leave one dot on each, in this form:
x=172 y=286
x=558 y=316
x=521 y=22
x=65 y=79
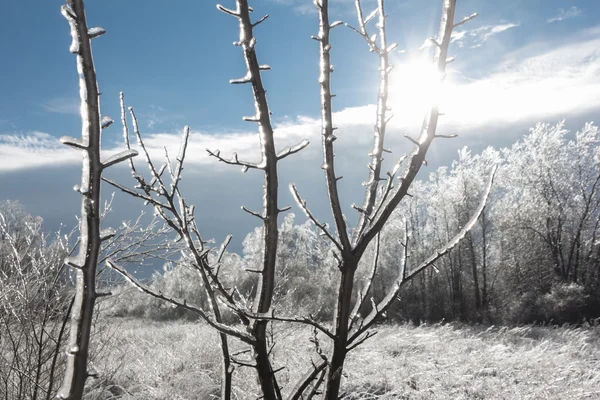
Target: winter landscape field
x=358 y=199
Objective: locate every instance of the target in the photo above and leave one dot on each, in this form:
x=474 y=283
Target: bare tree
x=348 y=330
x=86 y=260
x=374 y=212
x=33 y=305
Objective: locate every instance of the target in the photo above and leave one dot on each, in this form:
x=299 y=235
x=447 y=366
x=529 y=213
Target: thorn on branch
x=466 y=19
x=435 y=43
x=228 y=11
x=359 y=209
x=371 y=16
x=96 y=32
x=71 y=141
x=451 y=136
x=413 y=140
x=292 y=149
x=107 y=234
x=393 y=47
x=74 y=262
x=106 y=122
x=256 y=214
x=117 y=158
x=241 y=81
x=65 y=9
x=260 y=21
x=234 y=160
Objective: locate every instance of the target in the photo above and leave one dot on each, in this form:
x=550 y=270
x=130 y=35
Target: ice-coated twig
x=382 y=118
x=176 y=177
x=71 y=141
x=236 y=161
x=359 y=341
x=327 y=128
x=362 y=26
x=364 y=292
x=322 y=226
x=133 y=193
x=451 y=136
x=297 y=392
x=315 y=389
x=270 y=316
x=260 y=21
x=466 y=19
x=246 y=338
x=292 y=149
x=117 y=158
x=126 y=130
x=254 y=213
x=138 y=135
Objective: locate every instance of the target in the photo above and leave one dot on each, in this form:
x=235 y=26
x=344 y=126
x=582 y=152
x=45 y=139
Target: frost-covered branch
x=405 y=277
x=428 y=131
x=385 y=68
x=327 y=128
x=183 y=304
x=86 y=260
x=322 y=226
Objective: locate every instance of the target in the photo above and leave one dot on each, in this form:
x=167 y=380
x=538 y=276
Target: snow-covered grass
x=180 y=360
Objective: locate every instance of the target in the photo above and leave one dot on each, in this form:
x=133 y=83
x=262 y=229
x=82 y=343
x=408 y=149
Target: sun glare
x=415 y=85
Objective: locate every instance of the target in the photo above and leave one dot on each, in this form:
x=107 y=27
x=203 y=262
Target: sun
x=415 y=86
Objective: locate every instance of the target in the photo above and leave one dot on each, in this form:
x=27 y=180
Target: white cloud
x=560 y=82
x=33 y=150
x=565 y=14
x=555 y=84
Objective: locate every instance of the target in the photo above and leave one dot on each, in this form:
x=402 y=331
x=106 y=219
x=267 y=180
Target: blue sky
x=519 y=62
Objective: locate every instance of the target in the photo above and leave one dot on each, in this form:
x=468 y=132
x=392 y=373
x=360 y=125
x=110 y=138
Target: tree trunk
x=342 y=315
x=474 y=272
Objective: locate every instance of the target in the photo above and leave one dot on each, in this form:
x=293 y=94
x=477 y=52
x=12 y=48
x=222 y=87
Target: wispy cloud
x=157 y=116
x=478 y=36
x=565 y=14
x=62 y=105
x=33 y=150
